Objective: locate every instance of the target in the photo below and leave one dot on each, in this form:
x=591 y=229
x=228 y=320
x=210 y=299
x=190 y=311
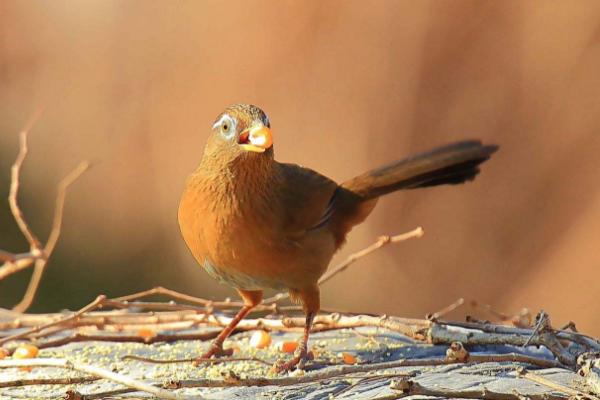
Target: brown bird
x=255 y=223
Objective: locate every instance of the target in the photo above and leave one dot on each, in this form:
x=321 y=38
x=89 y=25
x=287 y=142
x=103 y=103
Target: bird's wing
x=306 y=198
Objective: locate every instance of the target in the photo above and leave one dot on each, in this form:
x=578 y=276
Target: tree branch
x=40 y=264
x=14 y=185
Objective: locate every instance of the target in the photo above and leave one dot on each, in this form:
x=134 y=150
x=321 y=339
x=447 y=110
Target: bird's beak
x=256 y=139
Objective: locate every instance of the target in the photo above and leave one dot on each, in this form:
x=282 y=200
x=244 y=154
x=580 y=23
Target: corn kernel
x=26 y=351
x=260 y=339
x=348 y=358
x=286 y=347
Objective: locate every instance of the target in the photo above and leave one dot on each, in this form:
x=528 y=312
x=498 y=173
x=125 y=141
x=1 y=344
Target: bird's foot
x=298 y=362
x=216 y=350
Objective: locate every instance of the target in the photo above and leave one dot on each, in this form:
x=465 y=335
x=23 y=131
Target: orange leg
x=310 y=300
x=251 y=299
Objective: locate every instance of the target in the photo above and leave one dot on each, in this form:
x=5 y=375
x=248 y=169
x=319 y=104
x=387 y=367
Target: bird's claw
x=215 y=350
x=298 y=362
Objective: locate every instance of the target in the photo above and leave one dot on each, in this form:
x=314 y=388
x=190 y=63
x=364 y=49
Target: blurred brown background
x=134 y=87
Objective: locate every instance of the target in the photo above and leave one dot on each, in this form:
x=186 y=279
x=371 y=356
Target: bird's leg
x=251 y=299
x=310 y=302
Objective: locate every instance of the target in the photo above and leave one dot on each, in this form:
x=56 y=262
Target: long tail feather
x=452 y=164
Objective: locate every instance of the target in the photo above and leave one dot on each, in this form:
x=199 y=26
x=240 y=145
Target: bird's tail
x=451 y=164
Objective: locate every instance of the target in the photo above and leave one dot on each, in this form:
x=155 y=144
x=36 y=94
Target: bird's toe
x=298 y=362
x=215 y=351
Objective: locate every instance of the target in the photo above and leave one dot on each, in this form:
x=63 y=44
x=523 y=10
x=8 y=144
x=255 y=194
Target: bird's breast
x=239 y=240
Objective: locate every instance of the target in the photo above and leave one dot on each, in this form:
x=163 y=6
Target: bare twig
x=448 y=333
x=338 y=371
x=40 y=264
x=379 y=243
x=18 y=263
x=38 y=254
x=159 y=290
x=584 y=340
x=196 y=360
x=439 y=314
x=411 y=387
x=92 y=370
x=208 y=305
x=433 y=332
x=514 y=357
x=94 y=304
x=542 y=322
x=130 y=338
x=49 y=381
x=329 y=374
x=14 y=185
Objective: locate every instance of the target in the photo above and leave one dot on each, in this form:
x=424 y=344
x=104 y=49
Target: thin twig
x=196 y=360
x=342 y=370
x=352 y=258
x=49 y=381
x=381 y=241
x=446 y=334
x=40 y=264
x=585 y=340
x=159 y=290
x=444 y=311
x=208 y=305
x=131 y=338
x=329 y=374
x=411 y=387
x=60 y=204
x=94 y=304
x=542 y=321
x=38 y=254
x=21 y=261
x=14 y=184
x=92 y=370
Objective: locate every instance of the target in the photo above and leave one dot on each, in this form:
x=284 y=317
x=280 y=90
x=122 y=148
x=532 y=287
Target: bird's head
x=242 y=131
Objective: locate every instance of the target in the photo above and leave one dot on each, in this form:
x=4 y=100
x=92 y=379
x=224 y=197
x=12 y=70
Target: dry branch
x=411 y=387
x=95 y=371
x=38 y=254
x=91 y=324
x=435 y=332
x=196 y=360
x=40 y=263
x=14 y=185
x=49 y=381
x=64 y=320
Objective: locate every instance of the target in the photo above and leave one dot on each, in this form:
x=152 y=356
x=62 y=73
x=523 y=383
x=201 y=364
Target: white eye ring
x=226 y=125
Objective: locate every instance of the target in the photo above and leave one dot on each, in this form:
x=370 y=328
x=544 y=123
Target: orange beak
x=257 y=139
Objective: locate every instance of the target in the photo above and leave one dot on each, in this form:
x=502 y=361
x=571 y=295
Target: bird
x=255 y=223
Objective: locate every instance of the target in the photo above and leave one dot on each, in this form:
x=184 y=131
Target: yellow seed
x=146 y=334
x=260 y=339
x=26 y=351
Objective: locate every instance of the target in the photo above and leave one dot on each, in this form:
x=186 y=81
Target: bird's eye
x=226 y=126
